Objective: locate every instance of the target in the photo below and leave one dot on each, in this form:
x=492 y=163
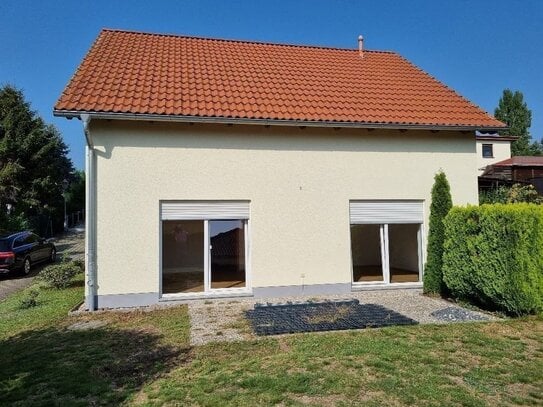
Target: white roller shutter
x=178 y=210
x=386 y=212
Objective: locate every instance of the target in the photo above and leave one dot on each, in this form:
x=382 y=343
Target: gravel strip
x=223 y=319
x=218 y=321
x=454 y=314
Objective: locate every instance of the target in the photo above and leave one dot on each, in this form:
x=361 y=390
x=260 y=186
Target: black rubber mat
x=322 y=316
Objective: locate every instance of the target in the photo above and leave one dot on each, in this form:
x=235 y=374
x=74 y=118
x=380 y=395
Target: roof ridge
x=281 y=44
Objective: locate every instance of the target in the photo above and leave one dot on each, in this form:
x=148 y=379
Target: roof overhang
x=536 y=165
x=70 y=114
x=497 y=138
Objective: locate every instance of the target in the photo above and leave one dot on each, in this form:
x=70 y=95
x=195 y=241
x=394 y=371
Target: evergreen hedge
x=493 y=256
x=440 y=206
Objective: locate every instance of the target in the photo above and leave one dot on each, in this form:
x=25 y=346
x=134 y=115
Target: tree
x=536 y=148
x=33 y=163
x=513 y=111
x=75 y=194
x=440 y=207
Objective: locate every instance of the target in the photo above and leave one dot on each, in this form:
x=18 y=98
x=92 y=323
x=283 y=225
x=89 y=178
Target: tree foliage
x=513 y=111
x=33 y=164
x=514 y=194
x=440 y=207
x=75 y=194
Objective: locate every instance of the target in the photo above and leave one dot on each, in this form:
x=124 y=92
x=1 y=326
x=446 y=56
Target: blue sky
x=476 y=47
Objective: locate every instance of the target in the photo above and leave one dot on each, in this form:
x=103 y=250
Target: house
x=492 y=148
x=514 y=170
x=314 y=164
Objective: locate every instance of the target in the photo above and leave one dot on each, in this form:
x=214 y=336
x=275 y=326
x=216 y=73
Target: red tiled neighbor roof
x=152 y=74
x=521 y=161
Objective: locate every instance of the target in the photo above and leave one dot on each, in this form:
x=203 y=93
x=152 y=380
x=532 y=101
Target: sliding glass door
x=367 y=256
x=202 y=256
x=386 y=253
x=227 y=254
x=404 y=255
x=183 y=256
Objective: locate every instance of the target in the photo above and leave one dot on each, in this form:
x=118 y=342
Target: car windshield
x=4 y=245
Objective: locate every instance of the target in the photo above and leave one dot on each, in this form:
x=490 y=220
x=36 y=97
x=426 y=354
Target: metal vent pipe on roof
x=361 y=46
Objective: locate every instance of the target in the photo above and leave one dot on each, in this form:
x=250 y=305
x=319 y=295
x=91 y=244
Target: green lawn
x=143 y=358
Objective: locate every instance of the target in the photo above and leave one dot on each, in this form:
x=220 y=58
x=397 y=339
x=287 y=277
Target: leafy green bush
x=60 y=275
x=493 y=255
x=80 y=264
x=441 y=204
x=515 y=194
x=31 y=300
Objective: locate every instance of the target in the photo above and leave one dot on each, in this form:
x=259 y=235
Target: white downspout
x=90 y=216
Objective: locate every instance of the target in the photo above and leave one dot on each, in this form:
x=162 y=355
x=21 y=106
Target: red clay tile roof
x=521 y=161
x=152 y=74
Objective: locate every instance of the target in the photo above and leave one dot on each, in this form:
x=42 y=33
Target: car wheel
x=53 y=255
x=26 y=266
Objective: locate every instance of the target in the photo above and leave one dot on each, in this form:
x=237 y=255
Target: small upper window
x=487 y=151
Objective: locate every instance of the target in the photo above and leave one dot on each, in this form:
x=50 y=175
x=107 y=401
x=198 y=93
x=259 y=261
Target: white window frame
x=384 y=248
x=208 y=291
x=385 y=257
x=491 y=150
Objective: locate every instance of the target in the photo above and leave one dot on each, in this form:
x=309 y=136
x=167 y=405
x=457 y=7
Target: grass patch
x=241 y=325
x=461 y=364
x=143 y=358
x=52 y=306
x=45 y=361
x=330 y=316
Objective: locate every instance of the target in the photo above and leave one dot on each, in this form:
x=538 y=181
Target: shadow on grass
x=86 y=367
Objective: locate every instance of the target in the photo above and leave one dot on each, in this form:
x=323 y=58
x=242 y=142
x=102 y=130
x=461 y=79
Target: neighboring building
x=492 y=148
x=225 y=168
x=518 y=169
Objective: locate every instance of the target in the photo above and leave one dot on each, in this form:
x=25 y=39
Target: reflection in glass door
x=182 y=256
x=227 y=253
x=367 y=253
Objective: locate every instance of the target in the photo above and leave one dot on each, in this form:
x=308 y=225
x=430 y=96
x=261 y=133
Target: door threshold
x=391 y=286
x=201 y=296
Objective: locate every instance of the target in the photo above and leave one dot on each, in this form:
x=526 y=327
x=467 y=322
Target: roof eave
x=497 y=138
x=265 y=122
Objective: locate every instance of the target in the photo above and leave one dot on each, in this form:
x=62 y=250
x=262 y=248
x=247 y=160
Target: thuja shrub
x=440 y=206
x=493 y=256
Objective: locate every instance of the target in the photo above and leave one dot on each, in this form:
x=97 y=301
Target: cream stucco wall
x=500 y=148
x=299 y=183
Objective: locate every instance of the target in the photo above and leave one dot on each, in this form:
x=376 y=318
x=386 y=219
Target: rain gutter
x=70 y=114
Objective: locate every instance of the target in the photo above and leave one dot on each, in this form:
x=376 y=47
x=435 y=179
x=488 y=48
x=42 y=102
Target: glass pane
x=182 y=256
x=366 y=253
x=403 y=247
x=227 y=240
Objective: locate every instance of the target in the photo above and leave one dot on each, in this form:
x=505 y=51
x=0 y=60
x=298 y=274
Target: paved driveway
x=71 y=244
